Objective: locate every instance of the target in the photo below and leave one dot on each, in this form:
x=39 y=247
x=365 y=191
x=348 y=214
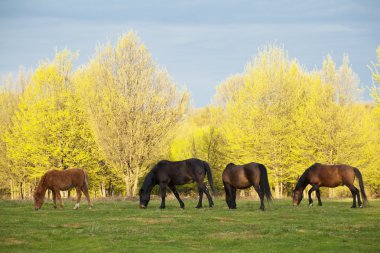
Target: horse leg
x=79 y=195
x=200 y=191
x=54 y=199
x=174 y=190
x=359 y=200
x=58 y=194
x=319 y=197
x=354 y=192
x=309 y=193
x=233 y=197
x=228 y=191
x=163 y=195
x=204 y=188
x=261 y=195
x=85 y=192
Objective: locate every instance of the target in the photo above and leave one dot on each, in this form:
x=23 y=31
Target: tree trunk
x=277 y=188
x=331 y=193
x=110 y=191
x=12 y=193
x=21 y=191
x=281 y=183
x=127 y=187
x=136 y=181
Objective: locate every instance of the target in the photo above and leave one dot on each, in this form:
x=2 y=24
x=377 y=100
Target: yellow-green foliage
x=133 y=105
x=288 y=118
x=49 y=128
x=121 y=113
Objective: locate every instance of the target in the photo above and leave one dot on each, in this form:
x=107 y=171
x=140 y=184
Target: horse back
x=180 y=172
x=331 y=175
x=65 y=179
x=242 y=176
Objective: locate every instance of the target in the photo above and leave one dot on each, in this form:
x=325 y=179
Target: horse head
x=144 y=198
x=146 y=189
x=38 y=199
x=297 y=196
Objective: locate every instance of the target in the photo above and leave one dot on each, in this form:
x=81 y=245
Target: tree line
x=120 y=113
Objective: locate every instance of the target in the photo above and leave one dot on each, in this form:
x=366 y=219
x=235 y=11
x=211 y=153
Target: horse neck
x=302 y=182
x=41 y=188
x=149 y=182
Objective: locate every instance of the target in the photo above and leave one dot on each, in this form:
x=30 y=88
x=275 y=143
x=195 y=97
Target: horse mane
x=230 y=164
x=41 y=184
x=149 y=180
x=41 y=188
x=302 y=180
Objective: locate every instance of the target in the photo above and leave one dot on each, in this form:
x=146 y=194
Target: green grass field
x=120 y=226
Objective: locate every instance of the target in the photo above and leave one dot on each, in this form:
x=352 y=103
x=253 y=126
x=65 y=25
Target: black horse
x=167 y=173
x=244 y=176
x=329 y=176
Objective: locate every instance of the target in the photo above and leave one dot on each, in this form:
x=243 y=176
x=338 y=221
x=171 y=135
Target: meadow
x=120 y=226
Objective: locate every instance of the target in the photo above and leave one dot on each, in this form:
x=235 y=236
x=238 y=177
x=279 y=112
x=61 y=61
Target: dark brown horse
x=331 y=176
x=167 y=173
x=61 y=180
x=244 y=176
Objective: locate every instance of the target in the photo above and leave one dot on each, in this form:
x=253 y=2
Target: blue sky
x=201 y=43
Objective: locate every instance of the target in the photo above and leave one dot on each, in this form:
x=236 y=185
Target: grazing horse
x=329 y=176
x=167 y=173
x=61 y=180
x=244 y=176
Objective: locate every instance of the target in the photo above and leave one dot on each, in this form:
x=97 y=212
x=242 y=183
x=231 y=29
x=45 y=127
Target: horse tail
x=209 y=176
x=264 y=183
x=85 y=179
x=361 y=184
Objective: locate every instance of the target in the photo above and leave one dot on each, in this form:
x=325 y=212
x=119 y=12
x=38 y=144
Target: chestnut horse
x=61 y=180
x=329 y=176
x=244 y=176
x=167 y=173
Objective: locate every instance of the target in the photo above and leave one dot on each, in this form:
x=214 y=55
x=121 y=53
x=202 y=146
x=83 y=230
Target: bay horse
x=331 y=176
x=169 y=174
x=62 y=180
x=244 y=176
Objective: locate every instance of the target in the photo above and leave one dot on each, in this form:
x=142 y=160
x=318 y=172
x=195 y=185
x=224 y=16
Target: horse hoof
x=311 y=204
x=198 y=207
x=361 y=206
x=162 y=207
x=353 y=206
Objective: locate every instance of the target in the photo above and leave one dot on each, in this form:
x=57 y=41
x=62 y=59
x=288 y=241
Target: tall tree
x=49 y=128
x=133 y=105
x=10 y=92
